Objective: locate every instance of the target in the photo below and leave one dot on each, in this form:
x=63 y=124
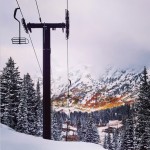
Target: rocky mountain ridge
x=86 y=93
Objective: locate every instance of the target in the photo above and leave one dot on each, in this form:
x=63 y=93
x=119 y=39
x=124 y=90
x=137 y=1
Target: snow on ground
x=12 y=140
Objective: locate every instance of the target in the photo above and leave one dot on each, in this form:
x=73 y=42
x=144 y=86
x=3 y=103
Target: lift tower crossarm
x=48 y=25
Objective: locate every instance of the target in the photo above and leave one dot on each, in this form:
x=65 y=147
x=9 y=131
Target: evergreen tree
x=80 y=130
x=105 y=142
x=144 y=96
x=142 y=109
x=115 y=139
x=56 y=127
x=128 y=140
x=91 y=132
x=109 y=142
x=31 y=104
x=6 y=116
x=145 y=138
x=39 y=111
x=121 y=133
x=10 y=85
x=22 y=125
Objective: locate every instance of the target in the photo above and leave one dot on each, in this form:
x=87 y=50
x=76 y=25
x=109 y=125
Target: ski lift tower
x=47 y=27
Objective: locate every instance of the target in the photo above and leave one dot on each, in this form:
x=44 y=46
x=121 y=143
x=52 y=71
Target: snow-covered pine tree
x=31 y=104
x=80 y=131
x=39 y=111
x=10 y=85
x=109 y=142
x=22 y=124
x=145 y=139
x=119 y=138
x=91 y=132
x=105 y=142
x=115 y=139
x=128 y=139
x=60 y=119
x=6 y=116
x=56 y=128
x=142 y=109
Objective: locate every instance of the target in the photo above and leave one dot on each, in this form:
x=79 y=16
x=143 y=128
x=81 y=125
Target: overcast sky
x=102 y=32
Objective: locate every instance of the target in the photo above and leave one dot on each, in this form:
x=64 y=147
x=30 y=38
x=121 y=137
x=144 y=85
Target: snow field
x=12 y=140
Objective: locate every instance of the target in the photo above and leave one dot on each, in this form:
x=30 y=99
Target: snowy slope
x=11 y=140
x=87 y=89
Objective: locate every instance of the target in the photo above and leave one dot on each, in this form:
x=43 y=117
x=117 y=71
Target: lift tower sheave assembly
x=46 y=69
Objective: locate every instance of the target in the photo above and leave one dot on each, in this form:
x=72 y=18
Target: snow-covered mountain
x=112 y=88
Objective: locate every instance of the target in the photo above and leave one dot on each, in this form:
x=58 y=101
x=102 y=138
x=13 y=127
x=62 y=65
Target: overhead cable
x=38 y=11
x=31 y=42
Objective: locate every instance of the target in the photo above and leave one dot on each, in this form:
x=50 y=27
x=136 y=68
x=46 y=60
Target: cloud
x=102 y=32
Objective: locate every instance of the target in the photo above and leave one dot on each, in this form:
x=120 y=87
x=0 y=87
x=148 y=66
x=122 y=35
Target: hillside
x=115 y=87
x=12 y=140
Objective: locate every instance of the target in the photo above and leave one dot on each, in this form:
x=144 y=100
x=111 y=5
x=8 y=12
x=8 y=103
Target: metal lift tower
x=46 y=68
